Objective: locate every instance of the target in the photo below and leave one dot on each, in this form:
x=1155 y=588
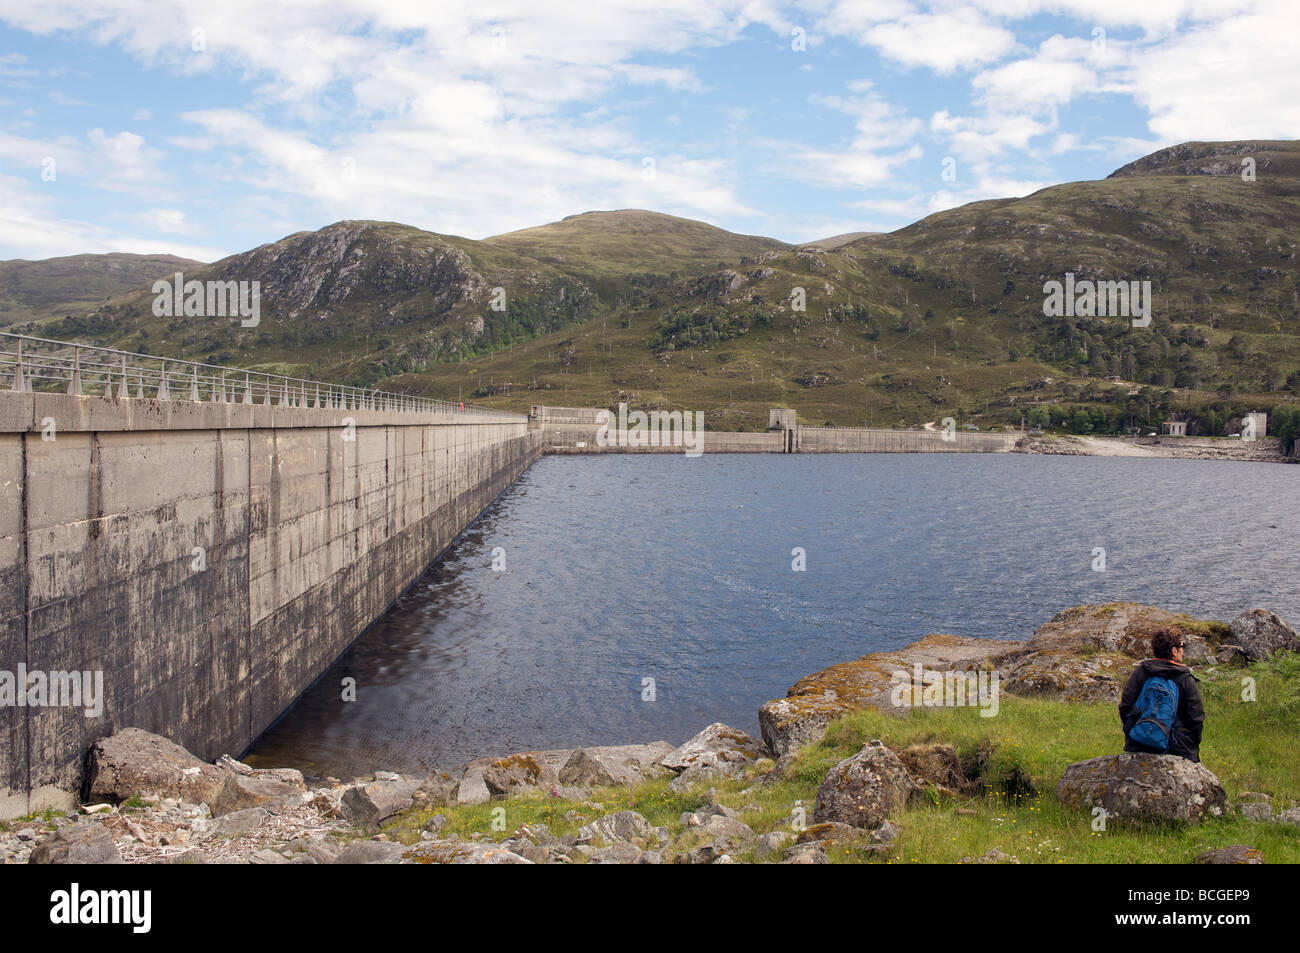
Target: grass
x=1018 y=756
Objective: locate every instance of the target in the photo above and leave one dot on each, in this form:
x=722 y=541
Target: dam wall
x=868 y=440
x=209 y=560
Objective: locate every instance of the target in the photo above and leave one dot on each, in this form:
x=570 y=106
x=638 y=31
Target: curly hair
x=1163 y=642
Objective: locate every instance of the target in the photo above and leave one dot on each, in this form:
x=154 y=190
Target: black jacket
x=1188 y=721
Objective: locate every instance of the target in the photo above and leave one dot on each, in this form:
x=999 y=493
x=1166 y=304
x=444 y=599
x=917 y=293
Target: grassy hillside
x=941 y=318
x=57 y=287
x=613 y=245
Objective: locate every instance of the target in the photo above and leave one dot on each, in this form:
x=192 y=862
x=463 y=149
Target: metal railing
x=29 y=364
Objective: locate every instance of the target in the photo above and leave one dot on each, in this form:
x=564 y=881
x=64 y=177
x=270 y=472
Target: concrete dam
x=186 y=548
x=209 y=558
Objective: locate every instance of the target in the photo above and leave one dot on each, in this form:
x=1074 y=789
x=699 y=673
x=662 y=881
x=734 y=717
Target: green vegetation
x=1017 y=758
x=942 y=318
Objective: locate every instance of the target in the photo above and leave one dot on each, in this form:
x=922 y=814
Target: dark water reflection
x=625 y=568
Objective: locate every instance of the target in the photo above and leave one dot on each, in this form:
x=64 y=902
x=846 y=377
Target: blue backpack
x=1156 y=706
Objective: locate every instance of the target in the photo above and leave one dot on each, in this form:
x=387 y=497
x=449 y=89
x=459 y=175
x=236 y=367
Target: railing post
x=74 y=383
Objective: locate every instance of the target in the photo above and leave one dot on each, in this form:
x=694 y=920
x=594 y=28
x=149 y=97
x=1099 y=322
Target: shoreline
x=722 y=796
x=1265 y=450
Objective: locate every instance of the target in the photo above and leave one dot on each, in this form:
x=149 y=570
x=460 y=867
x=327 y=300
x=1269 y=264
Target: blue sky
x=205 y=128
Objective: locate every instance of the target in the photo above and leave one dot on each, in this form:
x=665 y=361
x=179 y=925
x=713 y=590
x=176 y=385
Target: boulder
x=616 y=854
x=805 y=855
x=509 y=775
x=239 y=822
x=369 y=805
x=583 y=770
x=861 y=791
x=84 y=843
x=437 y=790
x=771 y=844
x=242 y=791
x=726 y=834
x=132 y=762
x=1143 y=788
x=936 y=763
x=1260 y=633
x=718 y=748
x=1233 y=854
x=618 y=828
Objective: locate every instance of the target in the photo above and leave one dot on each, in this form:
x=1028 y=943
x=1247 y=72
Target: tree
x=1284 y=423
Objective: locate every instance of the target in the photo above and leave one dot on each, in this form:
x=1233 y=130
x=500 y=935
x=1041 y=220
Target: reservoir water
x=622 y=569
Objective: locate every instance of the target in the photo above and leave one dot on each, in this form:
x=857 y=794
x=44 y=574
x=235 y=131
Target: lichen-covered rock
x=1260 y=633
x=132 y=762
x=862 y=790
x=719 y=748
x=1087 y=653
x=508 y=775
x=1143 y=788
x=800 y=718
x=1232 y=854
x=83 y=843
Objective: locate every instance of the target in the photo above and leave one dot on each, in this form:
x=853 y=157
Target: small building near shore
x=780 y=419
x=1173 y=428
x=1260 y=428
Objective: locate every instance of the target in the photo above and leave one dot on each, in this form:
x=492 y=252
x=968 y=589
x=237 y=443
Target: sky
x=204 y=128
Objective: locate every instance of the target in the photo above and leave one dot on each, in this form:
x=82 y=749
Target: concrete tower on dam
x=206 y=560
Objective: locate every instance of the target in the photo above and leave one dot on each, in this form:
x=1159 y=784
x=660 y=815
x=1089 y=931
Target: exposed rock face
x=131 y=762
x=1260 y=633
x=862 y=790
x=815 y=701
x=1143 y=788
x=717 y=748
x=83 y=843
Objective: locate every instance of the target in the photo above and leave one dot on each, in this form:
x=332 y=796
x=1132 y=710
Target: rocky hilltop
x=813 y=790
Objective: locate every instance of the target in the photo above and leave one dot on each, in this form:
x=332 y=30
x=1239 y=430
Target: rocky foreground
x=147 y=800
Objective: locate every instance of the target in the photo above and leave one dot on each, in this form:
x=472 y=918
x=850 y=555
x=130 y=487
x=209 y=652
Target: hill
x=56 y=287
x=942 y=318
x=632 y=241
